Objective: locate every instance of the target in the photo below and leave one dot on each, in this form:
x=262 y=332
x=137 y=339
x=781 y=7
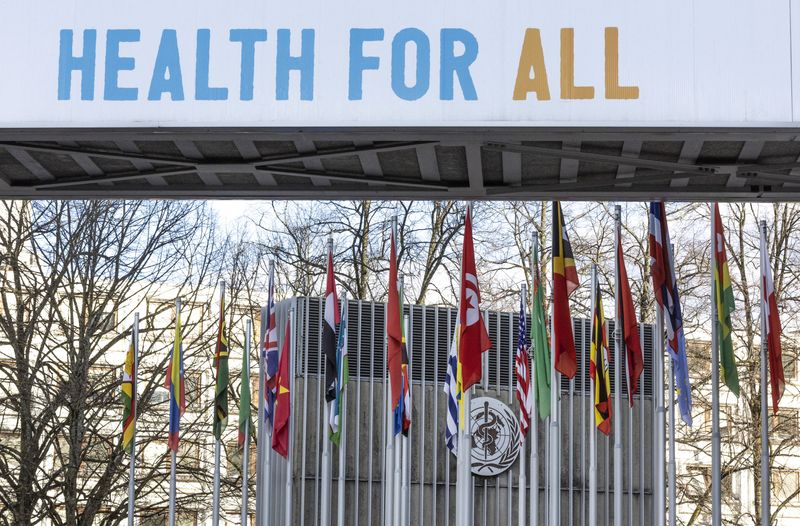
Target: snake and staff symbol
x=495 y=437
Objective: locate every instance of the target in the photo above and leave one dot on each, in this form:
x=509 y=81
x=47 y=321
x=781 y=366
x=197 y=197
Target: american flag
x=523 y=371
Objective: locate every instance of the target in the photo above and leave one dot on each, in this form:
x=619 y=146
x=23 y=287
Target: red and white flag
x=474 y=338
x=771 y=327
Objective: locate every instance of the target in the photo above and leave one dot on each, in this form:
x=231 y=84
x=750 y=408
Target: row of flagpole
x=470 y=340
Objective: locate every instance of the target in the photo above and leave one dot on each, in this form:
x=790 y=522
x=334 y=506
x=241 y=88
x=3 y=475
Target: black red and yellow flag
x=598 y=367
x=565 y=281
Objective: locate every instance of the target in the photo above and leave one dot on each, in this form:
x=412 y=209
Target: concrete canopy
x=402 y=163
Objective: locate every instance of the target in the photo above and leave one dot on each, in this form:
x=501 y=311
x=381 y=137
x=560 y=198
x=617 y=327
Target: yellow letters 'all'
x=532 y=72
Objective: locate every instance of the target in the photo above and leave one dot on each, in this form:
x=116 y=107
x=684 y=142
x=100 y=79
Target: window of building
x=161 y=518
x=194 y=385
x=785 y=423
x=785 y=485
x=96 y=454
x=234 y=456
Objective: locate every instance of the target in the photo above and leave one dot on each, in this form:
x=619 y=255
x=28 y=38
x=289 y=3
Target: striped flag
x=630 y=328
x=269 y=356
x=394 y=330
x=665 y=286
x=453 y=393
x=342 y=376
x=221 y=364
x=129 y=396
x=541 y=344
x=723 y=296
x=329 y=330
x=175 y=384
x=771 y=328
x=283 y=401
x=565 y=281
x=523 y=371
x=474 y=339
x=244 y=399
x=598 y=367
x=402 y=413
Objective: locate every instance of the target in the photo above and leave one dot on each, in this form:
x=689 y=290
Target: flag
x=283 y=406
x=402 y=413
x=269 y=356
x=600 y=356
x=329 y=330
x=771 y=328
x=221 y=364
x=665 y=286
x=453 y=393
x=129 y=396
x=394 y=330
x=244 y=399
x=474 y=339
x=541 y=345
x=523 y=371
x=630 y=328
x=723 y=295
x=565 y=281
x=176 y=385
x=342 y=375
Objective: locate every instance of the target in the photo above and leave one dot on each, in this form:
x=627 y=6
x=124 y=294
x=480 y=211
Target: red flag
x=474 y=338
x=630 y=328
x=772 y=327
x=565 y=280
x=283 y=407
x=394 y=329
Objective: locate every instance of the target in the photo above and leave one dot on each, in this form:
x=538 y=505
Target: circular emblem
x=495 y=437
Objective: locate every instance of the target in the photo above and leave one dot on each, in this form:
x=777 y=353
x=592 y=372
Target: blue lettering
x=116 y=63
x=167 y=76
x=304 y=64
x=423 y=73
x=202 y=91
x=248 y=38
x=452 y=65
x=67 y=63
x=358 y=62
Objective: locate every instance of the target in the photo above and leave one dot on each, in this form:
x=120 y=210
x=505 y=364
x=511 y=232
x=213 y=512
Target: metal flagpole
x=264 y=435
x=217 y=448
x=388 y=463
x=342 y=441
x=290 y=456
x=174 y=456
x=765 y=482
x=246 y=450
x=617 y=384
x=132 y=466
x=555 y=449
x=404 y=440
x=592 y=430
x=658 y=420
x=523 y=468
x=571 y=455
x=673 y=500
x=325 y=491
x=534 y=493
x=716 y=501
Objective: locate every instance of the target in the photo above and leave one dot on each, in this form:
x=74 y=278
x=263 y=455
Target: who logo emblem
x=495 y=437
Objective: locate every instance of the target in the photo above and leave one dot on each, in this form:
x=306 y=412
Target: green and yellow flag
x=129 y=396
x=244 y=400
x=541 y=347
x=723 y=296
x=221 y=363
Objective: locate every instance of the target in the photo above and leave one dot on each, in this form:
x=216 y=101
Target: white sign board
x=199 y=63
